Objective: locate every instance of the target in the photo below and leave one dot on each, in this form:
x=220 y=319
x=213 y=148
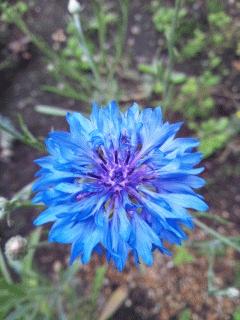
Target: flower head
x=74 y=7
x=118 y=182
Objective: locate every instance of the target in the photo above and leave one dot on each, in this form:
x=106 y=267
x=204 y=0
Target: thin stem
x=60 y=309
x=40 y=244
x=61 y=66
x=18 y=136
x=171 y=56
x=124 y=6
x=217 y=235
x=119 y=43
x=38 y=42
x=207 y=243
x=210 y=274
x=98 y=282
x=13 y=133
x=4 y=268
x=6 y=64
x=83 y=43
x=212 y=217
x=99 y=11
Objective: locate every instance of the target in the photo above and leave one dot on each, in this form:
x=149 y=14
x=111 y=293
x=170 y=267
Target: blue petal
x=64 y=231
x=143 y=238
x=79 y=125
x=89 y=236
x=186 y=201
x=50 y=214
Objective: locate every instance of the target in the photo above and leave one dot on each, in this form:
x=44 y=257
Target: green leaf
x=24 y=194
x=33 y=241
x=98 y=282
x=148 y=68
x=178 y=77
x=67 y=92
x=195 y=45
x=236 y=315
x=7 y=125
x=226 y=240
x=182 y=256
x=185 y=315
x=51 y=110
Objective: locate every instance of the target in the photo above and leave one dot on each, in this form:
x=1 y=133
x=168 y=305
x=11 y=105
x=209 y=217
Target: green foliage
x=213 y=133
x=237 y=274
x=219 y=20
x=185 y=315
x=182 y=256
x=193 y=94
x=106 y=18
x=72 y=53
x=236 y=315
x=11 y=12
x=220 y=34
x=190 y=87
x=213 y=60
x=151 y=69
x=24 y=134
x=214 y=6
x=98 y=283
x=194 y=99
x=162 y=18
x=36 y=297
x=178 y=78
x=157 y=73
x=31 y=297
x=195 y=45
x=84 y=68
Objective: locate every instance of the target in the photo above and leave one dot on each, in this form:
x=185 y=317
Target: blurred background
x=183 y=55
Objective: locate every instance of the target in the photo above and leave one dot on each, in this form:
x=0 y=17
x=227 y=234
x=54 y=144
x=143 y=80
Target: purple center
x=117 y=172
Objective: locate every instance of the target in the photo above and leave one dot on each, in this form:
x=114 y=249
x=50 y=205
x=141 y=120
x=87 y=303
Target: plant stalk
x=120 y=38
x=171 y=55
x=83 y=43
x=4 y=268
x=217 y=235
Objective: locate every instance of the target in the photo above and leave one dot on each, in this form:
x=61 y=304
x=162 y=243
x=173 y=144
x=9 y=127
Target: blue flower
x=119 y=183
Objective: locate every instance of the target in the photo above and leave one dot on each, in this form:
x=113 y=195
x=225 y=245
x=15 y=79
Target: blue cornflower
x=118 y=182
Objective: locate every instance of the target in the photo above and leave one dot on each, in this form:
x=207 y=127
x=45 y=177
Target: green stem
x=171 y=56
x=124 y=6
x=99 y=11
x=40 y=244
x=37 y=41
x=6 y=64
x=18 y=136
x=83 y=43
x=212 y=217
x=120 y=38
x=210 y=274
x=4 y=268
x=217 y=235
x=60 y=308
x=98 y=283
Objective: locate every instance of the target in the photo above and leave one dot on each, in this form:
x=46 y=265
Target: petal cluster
x=118 y=183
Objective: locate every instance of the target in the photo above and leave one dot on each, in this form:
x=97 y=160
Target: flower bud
x=233 y=292
x=74 y=6
x=16 y=248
